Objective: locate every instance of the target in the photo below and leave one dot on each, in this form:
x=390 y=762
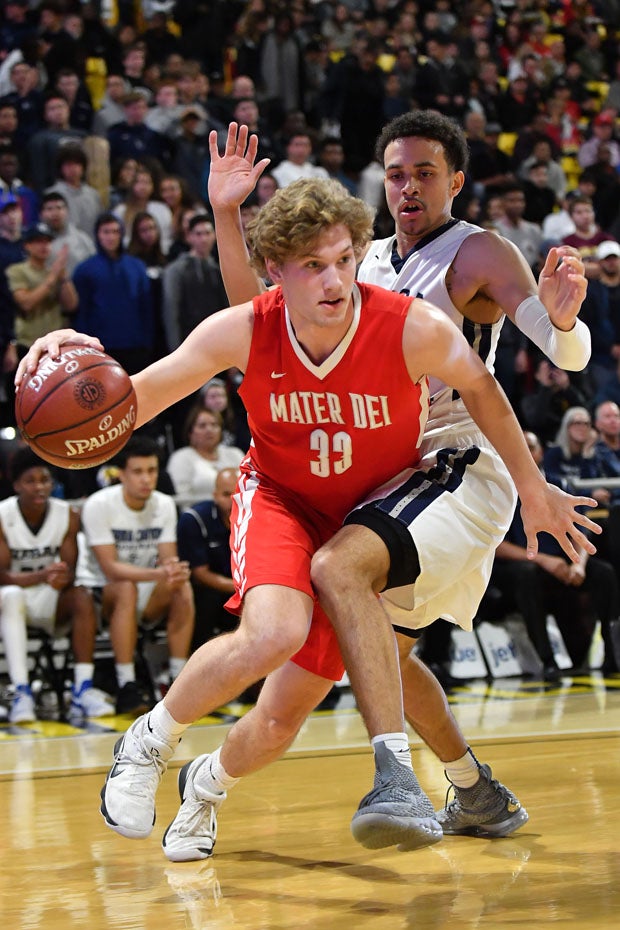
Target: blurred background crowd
x=105 y=111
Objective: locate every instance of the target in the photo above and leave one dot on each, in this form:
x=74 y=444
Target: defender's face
x=419 y=186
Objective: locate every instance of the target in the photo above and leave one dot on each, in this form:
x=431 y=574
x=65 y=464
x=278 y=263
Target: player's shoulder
x=103 y=498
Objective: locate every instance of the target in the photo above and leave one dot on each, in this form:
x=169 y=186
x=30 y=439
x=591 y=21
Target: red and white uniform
x=323 y=438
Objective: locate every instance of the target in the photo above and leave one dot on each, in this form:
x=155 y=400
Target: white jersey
x=30 y=551
x=458 y=503
x=423 y=274
x=136 y=534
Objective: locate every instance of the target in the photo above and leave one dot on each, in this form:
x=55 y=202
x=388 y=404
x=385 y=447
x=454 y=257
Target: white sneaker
x=22 y=708
x=128 y=795
x=90 y=702
x=192 y=833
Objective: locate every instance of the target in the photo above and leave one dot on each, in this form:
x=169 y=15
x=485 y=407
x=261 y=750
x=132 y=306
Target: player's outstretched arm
x=433 y=346
x=547 y=313
x=232 y=177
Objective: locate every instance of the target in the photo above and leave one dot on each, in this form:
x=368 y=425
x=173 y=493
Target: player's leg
x=261 y=736
x=13 y=629
x=177 y=605
x=273 y=626
x=482 y=806
x=347 y=573
x=76 y=608
x=119 y=607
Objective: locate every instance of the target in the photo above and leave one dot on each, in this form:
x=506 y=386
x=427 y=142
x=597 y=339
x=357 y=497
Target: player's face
x=139 y=479
x=33 y=487
x=419 y=187
x=318 y=286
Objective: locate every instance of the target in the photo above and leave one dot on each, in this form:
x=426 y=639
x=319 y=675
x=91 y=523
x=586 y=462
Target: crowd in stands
x=105 y=112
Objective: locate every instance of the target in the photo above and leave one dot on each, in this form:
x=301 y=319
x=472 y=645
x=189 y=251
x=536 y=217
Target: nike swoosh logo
x=276 y=374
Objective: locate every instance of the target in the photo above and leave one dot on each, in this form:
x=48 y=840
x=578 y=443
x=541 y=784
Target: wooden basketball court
x=285 y=858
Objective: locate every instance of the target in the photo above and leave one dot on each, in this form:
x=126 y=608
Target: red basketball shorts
x=272 y=541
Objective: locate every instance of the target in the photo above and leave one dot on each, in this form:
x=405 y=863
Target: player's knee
x=12 y=598
x=333 y=574
x=270 y=647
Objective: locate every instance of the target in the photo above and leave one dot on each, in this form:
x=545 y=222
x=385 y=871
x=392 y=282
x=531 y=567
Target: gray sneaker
x=128 y=795
x=488 y=809
x=192 y=833
x=396 y=812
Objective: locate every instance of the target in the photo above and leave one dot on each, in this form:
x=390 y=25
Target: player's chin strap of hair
x=569 y=350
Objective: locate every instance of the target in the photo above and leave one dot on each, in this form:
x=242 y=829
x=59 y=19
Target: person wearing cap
x=600 y=312
x=603 y=126
x=43 y=291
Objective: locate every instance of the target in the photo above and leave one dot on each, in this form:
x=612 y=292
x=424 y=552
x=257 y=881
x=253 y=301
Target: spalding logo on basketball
x=78 y=410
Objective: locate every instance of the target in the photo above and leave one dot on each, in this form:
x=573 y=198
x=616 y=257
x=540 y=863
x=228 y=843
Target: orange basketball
x=78 y=410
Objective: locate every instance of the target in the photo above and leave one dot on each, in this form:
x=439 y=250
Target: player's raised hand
x=551 y=510
x=233 y=175
x=51 y=344
x=562 y=287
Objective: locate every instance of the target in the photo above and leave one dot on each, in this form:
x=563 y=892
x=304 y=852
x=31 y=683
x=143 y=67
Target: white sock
x=165 y=726
x=398 y=744
x=125 y=672
x=82 y=671
x=463 y=772
x=175 y=665
x=213 y=777
x=13 y=630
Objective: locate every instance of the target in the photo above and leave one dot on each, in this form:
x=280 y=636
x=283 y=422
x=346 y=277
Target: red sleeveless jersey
x=327 y=435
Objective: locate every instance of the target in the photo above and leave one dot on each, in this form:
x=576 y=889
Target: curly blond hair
x=289 y=224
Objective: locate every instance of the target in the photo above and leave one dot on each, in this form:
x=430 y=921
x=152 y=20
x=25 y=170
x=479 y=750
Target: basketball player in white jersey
x=38 y=552
x=474 y=276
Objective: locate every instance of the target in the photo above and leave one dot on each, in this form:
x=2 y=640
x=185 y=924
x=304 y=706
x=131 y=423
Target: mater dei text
x=366 y=411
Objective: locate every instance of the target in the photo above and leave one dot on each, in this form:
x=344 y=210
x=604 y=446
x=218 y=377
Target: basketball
x=78 y=410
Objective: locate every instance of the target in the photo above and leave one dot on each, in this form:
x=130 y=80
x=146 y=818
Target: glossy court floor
x=285 y=859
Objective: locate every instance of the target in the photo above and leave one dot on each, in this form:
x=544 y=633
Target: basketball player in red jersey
x=334 y=373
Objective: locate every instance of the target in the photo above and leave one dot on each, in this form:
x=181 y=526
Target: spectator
x=38 y=554
x=27 y=100
x=191 y=156
x=131 y=563
x=441 y=82
x=600 y=312
x=13 y=188
x=602 y=133
x=140 y=198
x=175 y=193
x=489 y=167
x=203 y=539
x=115 y=301
x=58 y=48
x=132 y=138
x=133 y=66
x=76 y=94
x=298 y=162
x=8 y=123
x=222 y=397
x=572 y=454
x=547 y=583
x=164 y=116
x=44 y=144
x=192 y=285
x=525 y=235
x=540 y=197
x=266 y=186
x=43 y=292
x=587 y=235
x=193 y=468
x=542 y=152
x=331 y=157
x=517 y=105
x=246 y=113
x=281 y=65
x=123 y=176
x=79 y=246
x=543 y=409
x=111 y=110
x=83 y=201
x=145 y=244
